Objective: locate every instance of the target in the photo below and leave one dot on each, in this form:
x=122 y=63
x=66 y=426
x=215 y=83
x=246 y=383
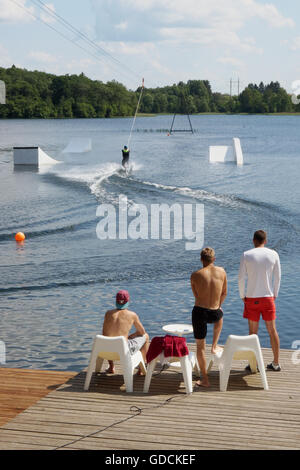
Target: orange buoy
x=20 y=237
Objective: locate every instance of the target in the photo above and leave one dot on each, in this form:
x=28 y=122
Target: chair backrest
x=110 y=347
x=242 y=343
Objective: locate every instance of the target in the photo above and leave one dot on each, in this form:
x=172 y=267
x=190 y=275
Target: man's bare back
x=209 y=286
x=119 y=323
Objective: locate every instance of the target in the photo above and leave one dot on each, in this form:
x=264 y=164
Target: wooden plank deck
x=21 y=388
x=245 y=417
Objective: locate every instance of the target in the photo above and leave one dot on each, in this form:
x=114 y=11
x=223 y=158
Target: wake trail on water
x=229 y=200
x=266 y=211
x=95 y=177
x=109 y=180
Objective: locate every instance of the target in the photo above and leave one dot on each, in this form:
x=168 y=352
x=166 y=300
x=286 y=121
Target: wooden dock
x=65 y=417
x=21 y=388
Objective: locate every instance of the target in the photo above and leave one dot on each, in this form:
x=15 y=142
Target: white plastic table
x=178 y=329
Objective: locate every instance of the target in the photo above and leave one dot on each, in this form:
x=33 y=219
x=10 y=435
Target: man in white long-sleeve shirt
x=261 y=268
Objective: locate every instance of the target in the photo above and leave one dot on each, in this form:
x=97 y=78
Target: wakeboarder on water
x=125 y=154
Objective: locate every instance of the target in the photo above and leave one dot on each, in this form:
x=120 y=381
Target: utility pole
x=232 y=83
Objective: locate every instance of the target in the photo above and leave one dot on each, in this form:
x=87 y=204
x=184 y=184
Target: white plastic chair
x=114 y=349
x=186 y=363
x=239 y=348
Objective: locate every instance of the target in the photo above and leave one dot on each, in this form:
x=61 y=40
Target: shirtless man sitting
x=119 y=321
x=209 y=286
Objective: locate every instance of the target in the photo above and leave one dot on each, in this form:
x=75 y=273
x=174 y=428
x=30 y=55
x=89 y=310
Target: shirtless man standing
x=209 y=286
x=119 y=321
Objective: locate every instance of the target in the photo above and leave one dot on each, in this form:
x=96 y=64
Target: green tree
x=34 y=94
x=147 y=103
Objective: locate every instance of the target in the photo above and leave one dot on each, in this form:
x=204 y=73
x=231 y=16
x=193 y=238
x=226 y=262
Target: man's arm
x=277 y=276
x=193 y=285
x=139 y=329
x=224 y=290
x=242 y=277
x=104 y=327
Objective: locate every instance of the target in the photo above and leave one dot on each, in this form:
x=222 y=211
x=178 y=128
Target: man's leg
x=144 y=350
x=253 y=327
x=111 y=368
x=202 y=363
x=217 y=331
x=253 y=330
x=274 y=338
x=145 y=347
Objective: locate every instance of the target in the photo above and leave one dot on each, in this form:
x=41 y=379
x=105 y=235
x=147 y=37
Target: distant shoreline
x=148 y=115
x=41 y=95
x=221 y=114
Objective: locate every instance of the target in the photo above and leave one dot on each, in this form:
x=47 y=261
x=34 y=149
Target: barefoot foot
x=216 y=349
x=202 y=383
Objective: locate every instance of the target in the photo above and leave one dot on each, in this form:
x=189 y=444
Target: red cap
x=122 y=297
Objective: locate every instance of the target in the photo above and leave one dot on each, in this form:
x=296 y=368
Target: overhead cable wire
x=99 y=58
x=83 y=36
x=135 y=115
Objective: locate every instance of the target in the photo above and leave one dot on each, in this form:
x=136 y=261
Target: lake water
x=56 y=287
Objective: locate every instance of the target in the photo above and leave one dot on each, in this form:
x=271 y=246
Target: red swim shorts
x=254 y=306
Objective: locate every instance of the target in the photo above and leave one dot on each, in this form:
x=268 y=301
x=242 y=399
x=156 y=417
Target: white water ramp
x=32 y=156
x=221 y=153
x=238 y=151
x=78 y=145
x=227 y=153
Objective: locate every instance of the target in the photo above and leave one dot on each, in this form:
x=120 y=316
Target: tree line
x=34 y=94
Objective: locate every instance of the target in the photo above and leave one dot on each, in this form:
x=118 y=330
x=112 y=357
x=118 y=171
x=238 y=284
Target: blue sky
x=164 y=41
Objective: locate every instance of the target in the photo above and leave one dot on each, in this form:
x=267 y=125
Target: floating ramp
x=34 y=156
x=225 y=153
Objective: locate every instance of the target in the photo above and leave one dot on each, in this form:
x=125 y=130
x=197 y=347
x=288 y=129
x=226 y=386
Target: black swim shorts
x=202 y=316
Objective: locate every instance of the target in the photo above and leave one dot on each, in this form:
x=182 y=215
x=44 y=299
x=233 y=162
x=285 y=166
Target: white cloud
x=12 y=13
x=78 y=66
x=148 y=20
x=199 y=32
x=43 y=57
x=122 y=26
x=200 y=26
x=47 y=17
x=5 y=60
x=162 y=69
x=210 y=37
x=295 y=44
x=230 y=61
x=128 y=48
x=270 y=14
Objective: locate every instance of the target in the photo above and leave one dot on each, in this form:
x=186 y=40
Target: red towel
x=170 y=345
